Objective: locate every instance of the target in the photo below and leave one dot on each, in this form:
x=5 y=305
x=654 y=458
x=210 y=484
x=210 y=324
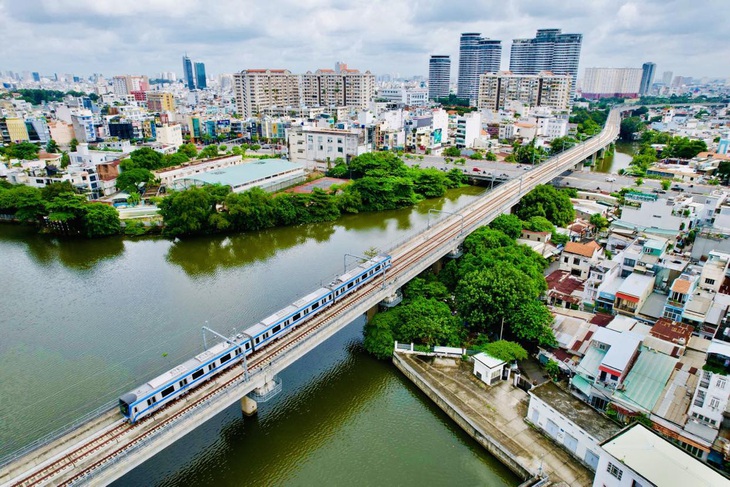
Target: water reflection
x=74 y=253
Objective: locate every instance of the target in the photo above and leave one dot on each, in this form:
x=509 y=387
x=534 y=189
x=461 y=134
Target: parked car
x=610 y=179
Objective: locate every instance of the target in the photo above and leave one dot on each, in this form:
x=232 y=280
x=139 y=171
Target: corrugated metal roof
x=647 y=378
x=245 y=173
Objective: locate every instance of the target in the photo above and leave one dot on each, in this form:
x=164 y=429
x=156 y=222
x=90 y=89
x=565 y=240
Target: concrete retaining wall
x=484 y=439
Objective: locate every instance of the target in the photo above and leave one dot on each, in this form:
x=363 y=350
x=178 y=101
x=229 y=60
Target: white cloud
x=384 y=36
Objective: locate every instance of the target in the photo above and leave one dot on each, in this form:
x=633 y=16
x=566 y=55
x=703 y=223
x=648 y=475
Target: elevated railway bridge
x=104 y=448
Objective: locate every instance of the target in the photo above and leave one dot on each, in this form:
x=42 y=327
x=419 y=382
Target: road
x=592 y=181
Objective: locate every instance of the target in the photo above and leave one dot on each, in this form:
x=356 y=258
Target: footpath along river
x=83 y=321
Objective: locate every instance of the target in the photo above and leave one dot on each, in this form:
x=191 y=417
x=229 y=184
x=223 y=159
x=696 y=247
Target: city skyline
x=85 y=36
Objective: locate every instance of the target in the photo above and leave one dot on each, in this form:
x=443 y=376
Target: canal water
x=84 y=321
x=619 y=160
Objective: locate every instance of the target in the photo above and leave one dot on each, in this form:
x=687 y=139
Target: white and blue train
x=152 y=395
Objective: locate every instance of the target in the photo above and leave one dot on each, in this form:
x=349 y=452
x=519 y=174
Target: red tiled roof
x=586 y=250
x=671 y=331
x=602 y=319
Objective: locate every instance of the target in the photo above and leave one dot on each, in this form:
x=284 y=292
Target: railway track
x=121 y=436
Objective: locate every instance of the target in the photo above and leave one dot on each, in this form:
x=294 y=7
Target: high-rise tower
x=188 y=76
x=477 y=55
x=550 y=50
x=647 y=78
x=200 y=80
x=439 y=77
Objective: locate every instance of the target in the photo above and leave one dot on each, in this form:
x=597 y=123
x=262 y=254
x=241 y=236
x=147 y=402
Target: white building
x=578 y=258
x=169 y=175
x=488 y=369
x=638 y=457
x=570 y=422
x=170 y=135
x=468 y=129
x=552 y=127
x=83 y=124
x=317 y=147
x=610 y=82
x=544 y=89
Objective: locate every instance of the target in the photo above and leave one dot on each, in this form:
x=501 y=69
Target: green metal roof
x=647 y=379
x=245 y=173
x=581 y=384
x=590 y=362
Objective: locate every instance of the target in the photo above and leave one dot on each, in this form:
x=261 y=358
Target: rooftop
x=636 y=284
x=672 y=331
x=488 y=360
x=593 y=423
x=246 y=173
x=659 y=461
x=586 y=250
x=646 y=380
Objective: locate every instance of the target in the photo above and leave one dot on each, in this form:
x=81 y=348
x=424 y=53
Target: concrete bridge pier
x=248 y=406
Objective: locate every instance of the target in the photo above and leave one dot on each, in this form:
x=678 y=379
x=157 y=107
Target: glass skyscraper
x=200 y=81
x=550 y=50
x=439 y=77
x=477 y=55
x=188 y=73
x=647 y=78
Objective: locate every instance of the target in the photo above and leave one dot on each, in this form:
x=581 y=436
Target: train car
x=151 y=395
x=285 y=320
x=350 y=281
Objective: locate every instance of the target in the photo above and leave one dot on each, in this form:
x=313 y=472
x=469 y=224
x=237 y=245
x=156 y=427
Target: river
x=619 y=160
x=86 y=320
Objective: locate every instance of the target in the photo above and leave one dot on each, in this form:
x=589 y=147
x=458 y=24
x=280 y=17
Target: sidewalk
x=499 y=410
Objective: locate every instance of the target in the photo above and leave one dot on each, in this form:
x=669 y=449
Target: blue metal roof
x=245 y=173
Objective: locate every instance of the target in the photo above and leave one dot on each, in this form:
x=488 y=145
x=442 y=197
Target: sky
x=115 y=37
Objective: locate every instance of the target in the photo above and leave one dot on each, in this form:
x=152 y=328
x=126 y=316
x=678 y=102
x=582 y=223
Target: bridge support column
x=371 y=312
x=437 y=266
x=248 y=406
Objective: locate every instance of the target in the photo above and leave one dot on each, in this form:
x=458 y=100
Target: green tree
x=531 y=323
x=23 y=151
x=68 y=208
x=175 y=159
x=548 y=202
x=639 y=181
x=52 y=190
x=486 y=296
x=147 y=158
x=560 y=144
x=25 y=202
x=208 y=152
x=431 y=183
x=539 y=224
x=553 y=369
x=476 y=156
x=73 y=145
x=189 y=150
x=599 y=221
x=504 y=350
x=451 y=152
x=134 y=198
x=100 y=220
x=508 y=224
x=427 y=321
x=187 y=212
x=630 y=126
x=666 y=184
x=129 y=180
x=490 y=156
x=52 y=147
x=378 y=336
x=723 y=170
x=65 y=160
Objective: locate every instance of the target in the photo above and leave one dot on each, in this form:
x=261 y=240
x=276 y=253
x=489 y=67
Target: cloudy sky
x=112 y=37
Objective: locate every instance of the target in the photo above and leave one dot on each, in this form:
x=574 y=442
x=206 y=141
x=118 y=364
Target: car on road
x=610 y=179
x=677 y=188
x=476 y=169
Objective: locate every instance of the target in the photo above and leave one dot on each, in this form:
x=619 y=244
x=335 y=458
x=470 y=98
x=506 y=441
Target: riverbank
x=494 y=417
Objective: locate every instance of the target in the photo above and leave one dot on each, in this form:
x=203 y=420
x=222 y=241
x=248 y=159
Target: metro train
x=152 y=395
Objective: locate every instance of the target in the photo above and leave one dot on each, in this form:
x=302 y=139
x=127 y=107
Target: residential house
x=577 y=258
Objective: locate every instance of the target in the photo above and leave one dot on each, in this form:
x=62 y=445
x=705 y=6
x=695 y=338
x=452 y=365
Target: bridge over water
x=104 y=448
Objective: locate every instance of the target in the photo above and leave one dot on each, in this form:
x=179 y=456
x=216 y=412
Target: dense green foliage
x=508 y=224
x=37 y=96
x=527 y=154
x=590 y=122
x=59 y=204
x=452 y=152
x=503 y=350
x=381 y=181
x=630 y=126
x=23 y=151
x=674 y=147
x=560 y=144
x=548 y=202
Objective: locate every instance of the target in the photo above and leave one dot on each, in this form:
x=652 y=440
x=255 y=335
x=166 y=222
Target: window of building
x=629 y=262
x=565 y=260
x=614 y=470
x=709 y=281
x=721 y=383
x=714 y=403
x=576 y=261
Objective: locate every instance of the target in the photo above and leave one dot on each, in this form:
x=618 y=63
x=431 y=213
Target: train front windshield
x=124 y=408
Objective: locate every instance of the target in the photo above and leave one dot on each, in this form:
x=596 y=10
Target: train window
x=257 y=340
x=296 y=316
x=168 y=391
x=151 y=401
x=198 y=373
x=238 y=351
x=315 y=306
x=377 y=268
x=183 y=383
x=276 y=329
x=350 y=285
x=211 y=366
x=248 y=345
x=225 y=358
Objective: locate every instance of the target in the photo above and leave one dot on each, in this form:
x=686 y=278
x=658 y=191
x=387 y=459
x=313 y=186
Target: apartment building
x=259 y=89
x=544 y=89
x=160 y=102
x=330 y=88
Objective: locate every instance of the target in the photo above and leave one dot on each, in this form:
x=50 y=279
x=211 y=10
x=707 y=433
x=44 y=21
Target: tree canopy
x=548 y=202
